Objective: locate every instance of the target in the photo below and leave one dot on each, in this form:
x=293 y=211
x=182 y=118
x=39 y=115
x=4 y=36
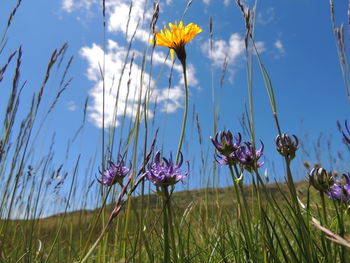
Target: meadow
x=128 y=206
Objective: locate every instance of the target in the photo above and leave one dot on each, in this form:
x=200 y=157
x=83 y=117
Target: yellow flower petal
x=177 y=36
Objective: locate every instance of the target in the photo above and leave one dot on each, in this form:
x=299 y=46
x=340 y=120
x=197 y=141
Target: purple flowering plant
x=286 y=146
x=320 y=179
x=115 y=173
x=225 y=143
x=248 y=157
x=339 y=191
x=231 y=151
x=164 y=172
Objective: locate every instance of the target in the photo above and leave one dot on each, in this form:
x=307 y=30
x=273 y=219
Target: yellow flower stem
x=183 y=62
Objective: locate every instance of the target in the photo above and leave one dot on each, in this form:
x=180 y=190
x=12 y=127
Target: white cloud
x=206 y=2
x=71 y=105
x=231 y=49
x=172 y=97
x=114 y=63
x=190 y=74
x=260 y=46
x=266 y=16
x=68 y=5
x=278 y=44
x=118 y=14
x=71 y=5
x=118 y=18
x=169 y=99
x=118 y=21
x=226 y=2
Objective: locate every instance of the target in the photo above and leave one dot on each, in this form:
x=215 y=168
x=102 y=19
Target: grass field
x=131 y=210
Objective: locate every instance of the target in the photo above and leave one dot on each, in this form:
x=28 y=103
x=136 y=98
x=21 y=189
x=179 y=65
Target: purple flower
x=231 y=151
x=229 y=160
x=248 y=157
x=114 y=174
x=286 y=146
x=164 y=172
x=227 y=144
x=340 y=192
x=226 y=147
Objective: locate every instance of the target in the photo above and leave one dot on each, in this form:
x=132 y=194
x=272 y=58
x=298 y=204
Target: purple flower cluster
x=340 y=192
x=231 y=151
x=163 y=172
x=114 y=173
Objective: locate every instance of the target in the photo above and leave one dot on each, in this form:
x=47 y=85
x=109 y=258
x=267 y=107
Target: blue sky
x=296 y=44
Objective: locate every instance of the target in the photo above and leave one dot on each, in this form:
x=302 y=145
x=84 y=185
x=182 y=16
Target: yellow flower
x=176 y=38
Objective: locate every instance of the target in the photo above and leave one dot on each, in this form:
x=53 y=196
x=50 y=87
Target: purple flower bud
x=321 y=179
x=286 y=146
x=163 y=172
x=114 y=174
x=248 y=157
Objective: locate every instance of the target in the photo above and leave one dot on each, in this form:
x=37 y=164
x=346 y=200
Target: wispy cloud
x=266 y=16
x=279 y=46
x=207 y=2
x=71 y=105
x=71 y=5
x=232 y=49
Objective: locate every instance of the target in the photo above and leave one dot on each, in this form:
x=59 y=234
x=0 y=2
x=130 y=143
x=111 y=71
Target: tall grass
x=133 y=221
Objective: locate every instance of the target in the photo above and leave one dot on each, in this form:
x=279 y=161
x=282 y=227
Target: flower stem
x=171 y=225
x=183 y=62
x=166 y=229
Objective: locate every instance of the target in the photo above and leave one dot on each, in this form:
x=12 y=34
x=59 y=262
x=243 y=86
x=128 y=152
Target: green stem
x=325 y=223
x=324 y=209
x=88 y=254
x=170 y=220
x=244 y=218
x=185 y=112
x=166 y=230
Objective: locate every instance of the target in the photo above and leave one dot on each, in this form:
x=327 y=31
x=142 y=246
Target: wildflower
x=228 y=144
x=164 y=172
x=321 y=179
x=114 y=174
x=248 y=157
x=286 y=146
x=176 y=37
x=340 y=192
